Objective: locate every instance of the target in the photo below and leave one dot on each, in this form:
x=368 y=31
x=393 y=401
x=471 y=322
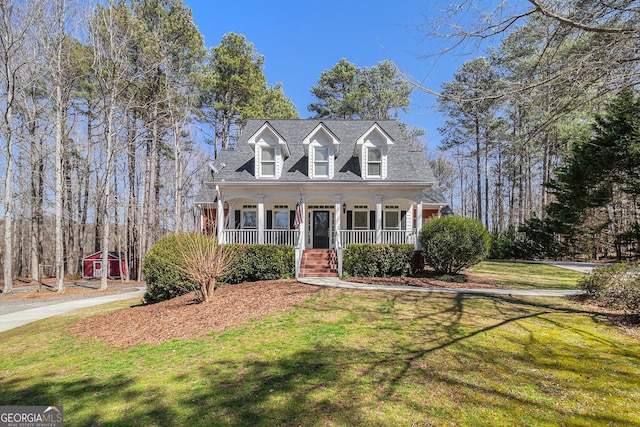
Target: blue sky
x=300 y=39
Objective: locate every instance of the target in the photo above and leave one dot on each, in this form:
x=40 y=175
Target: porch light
x=344 y=208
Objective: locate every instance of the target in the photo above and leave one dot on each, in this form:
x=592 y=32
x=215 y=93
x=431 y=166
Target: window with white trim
x=281 y=220
x=249 y=219
x=374 y=162
x=391 y=220
x=268 y=166
x=360 y=220
x=321 y=161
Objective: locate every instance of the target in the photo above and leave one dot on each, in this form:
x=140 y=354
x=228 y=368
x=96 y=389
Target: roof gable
x=324 y=136
x=268 y=135
x=375 y=136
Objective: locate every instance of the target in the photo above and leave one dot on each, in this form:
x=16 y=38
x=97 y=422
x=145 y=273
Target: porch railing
x=241 y=237
x=398 y=237
x=390 y=237
x=349 y=237
x=281 y=237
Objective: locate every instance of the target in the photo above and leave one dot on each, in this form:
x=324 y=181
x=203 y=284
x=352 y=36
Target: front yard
x=344 y=357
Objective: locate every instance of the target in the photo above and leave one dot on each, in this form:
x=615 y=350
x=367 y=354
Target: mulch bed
x=185 y=318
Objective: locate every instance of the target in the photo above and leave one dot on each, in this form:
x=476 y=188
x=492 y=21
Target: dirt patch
x=428 y=279
x=184 y=318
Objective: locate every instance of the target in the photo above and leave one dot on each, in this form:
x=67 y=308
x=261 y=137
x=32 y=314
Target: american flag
x=299 y=219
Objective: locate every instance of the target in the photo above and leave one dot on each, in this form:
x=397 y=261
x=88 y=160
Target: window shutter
x=349 y=220
x=403 y=220
x=269 y=220
x=237 y=219
x=372 y=220
x=292 y=219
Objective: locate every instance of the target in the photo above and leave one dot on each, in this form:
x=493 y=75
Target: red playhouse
x=92 y=266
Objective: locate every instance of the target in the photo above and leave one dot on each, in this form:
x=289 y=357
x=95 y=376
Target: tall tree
x=276 y=104
x=384 y=92
x=16 y=21
x=471 y=107
x=337 y=92
x=348 y=92
x=57 y=49
x=112 y=31
x=230 y=87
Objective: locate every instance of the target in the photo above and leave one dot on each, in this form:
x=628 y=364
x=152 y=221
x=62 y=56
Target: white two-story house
x=319 y=185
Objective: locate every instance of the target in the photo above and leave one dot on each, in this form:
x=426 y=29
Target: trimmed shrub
x=261 y=262
x=452 y=243
x=617 y=286
x=369 y=260
x=164 y=278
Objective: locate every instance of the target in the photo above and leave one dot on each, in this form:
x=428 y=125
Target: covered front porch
x=318 y=224
x=317 y=220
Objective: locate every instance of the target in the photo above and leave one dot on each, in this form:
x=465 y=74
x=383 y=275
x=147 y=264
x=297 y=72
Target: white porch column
x=220 y=218
x=418 y=246
x=261 y=221
x=378 y=219
x=337 y=242
x=302 y=240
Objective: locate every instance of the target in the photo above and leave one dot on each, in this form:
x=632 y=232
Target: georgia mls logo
x=31 y=416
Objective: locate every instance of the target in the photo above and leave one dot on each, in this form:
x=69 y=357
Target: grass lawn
x=521 y=275
x=344 y=358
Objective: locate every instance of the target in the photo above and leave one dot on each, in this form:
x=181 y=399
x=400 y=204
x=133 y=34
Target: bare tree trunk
x=59 y=150
x=86 y=180
x=132 y=230
x=37 y=195
x=178 y=177
x=109 y=135
x=486 y=179
x=478 y=170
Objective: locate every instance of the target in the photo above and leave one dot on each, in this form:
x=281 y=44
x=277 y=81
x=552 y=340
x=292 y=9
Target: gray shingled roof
x=403 y=164
x=434 y=195
x=206 y=195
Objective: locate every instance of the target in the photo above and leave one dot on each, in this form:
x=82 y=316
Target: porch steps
x=319 y=263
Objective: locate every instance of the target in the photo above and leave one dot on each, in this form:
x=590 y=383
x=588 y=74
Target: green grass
x=521 y=275
x=344 y=358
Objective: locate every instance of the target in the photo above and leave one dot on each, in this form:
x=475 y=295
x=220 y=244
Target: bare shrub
x=203 y=260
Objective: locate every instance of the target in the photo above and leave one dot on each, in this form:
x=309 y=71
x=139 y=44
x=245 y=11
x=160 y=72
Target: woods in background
x=100 y=106
x=519 y=115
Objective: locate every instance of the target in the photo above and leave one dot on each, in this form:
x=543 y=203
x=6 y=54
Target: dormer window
x=271 y=150
x=321 y=163
x=321 y=147
x=372 y=149
x=374 y=162
x=268 y=162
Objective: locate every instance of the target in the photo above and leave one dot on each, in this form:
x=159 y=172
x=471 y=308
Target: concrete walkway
x=581 y=267
x=19 y=318
x=337 y=283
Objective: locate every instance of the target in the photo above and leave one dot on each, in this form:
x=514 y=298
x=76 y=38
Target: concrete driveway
x=19 y=318
x=582 y=267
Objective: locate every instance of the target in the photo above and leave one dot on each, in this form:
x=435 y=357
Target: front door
x=321 y=229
